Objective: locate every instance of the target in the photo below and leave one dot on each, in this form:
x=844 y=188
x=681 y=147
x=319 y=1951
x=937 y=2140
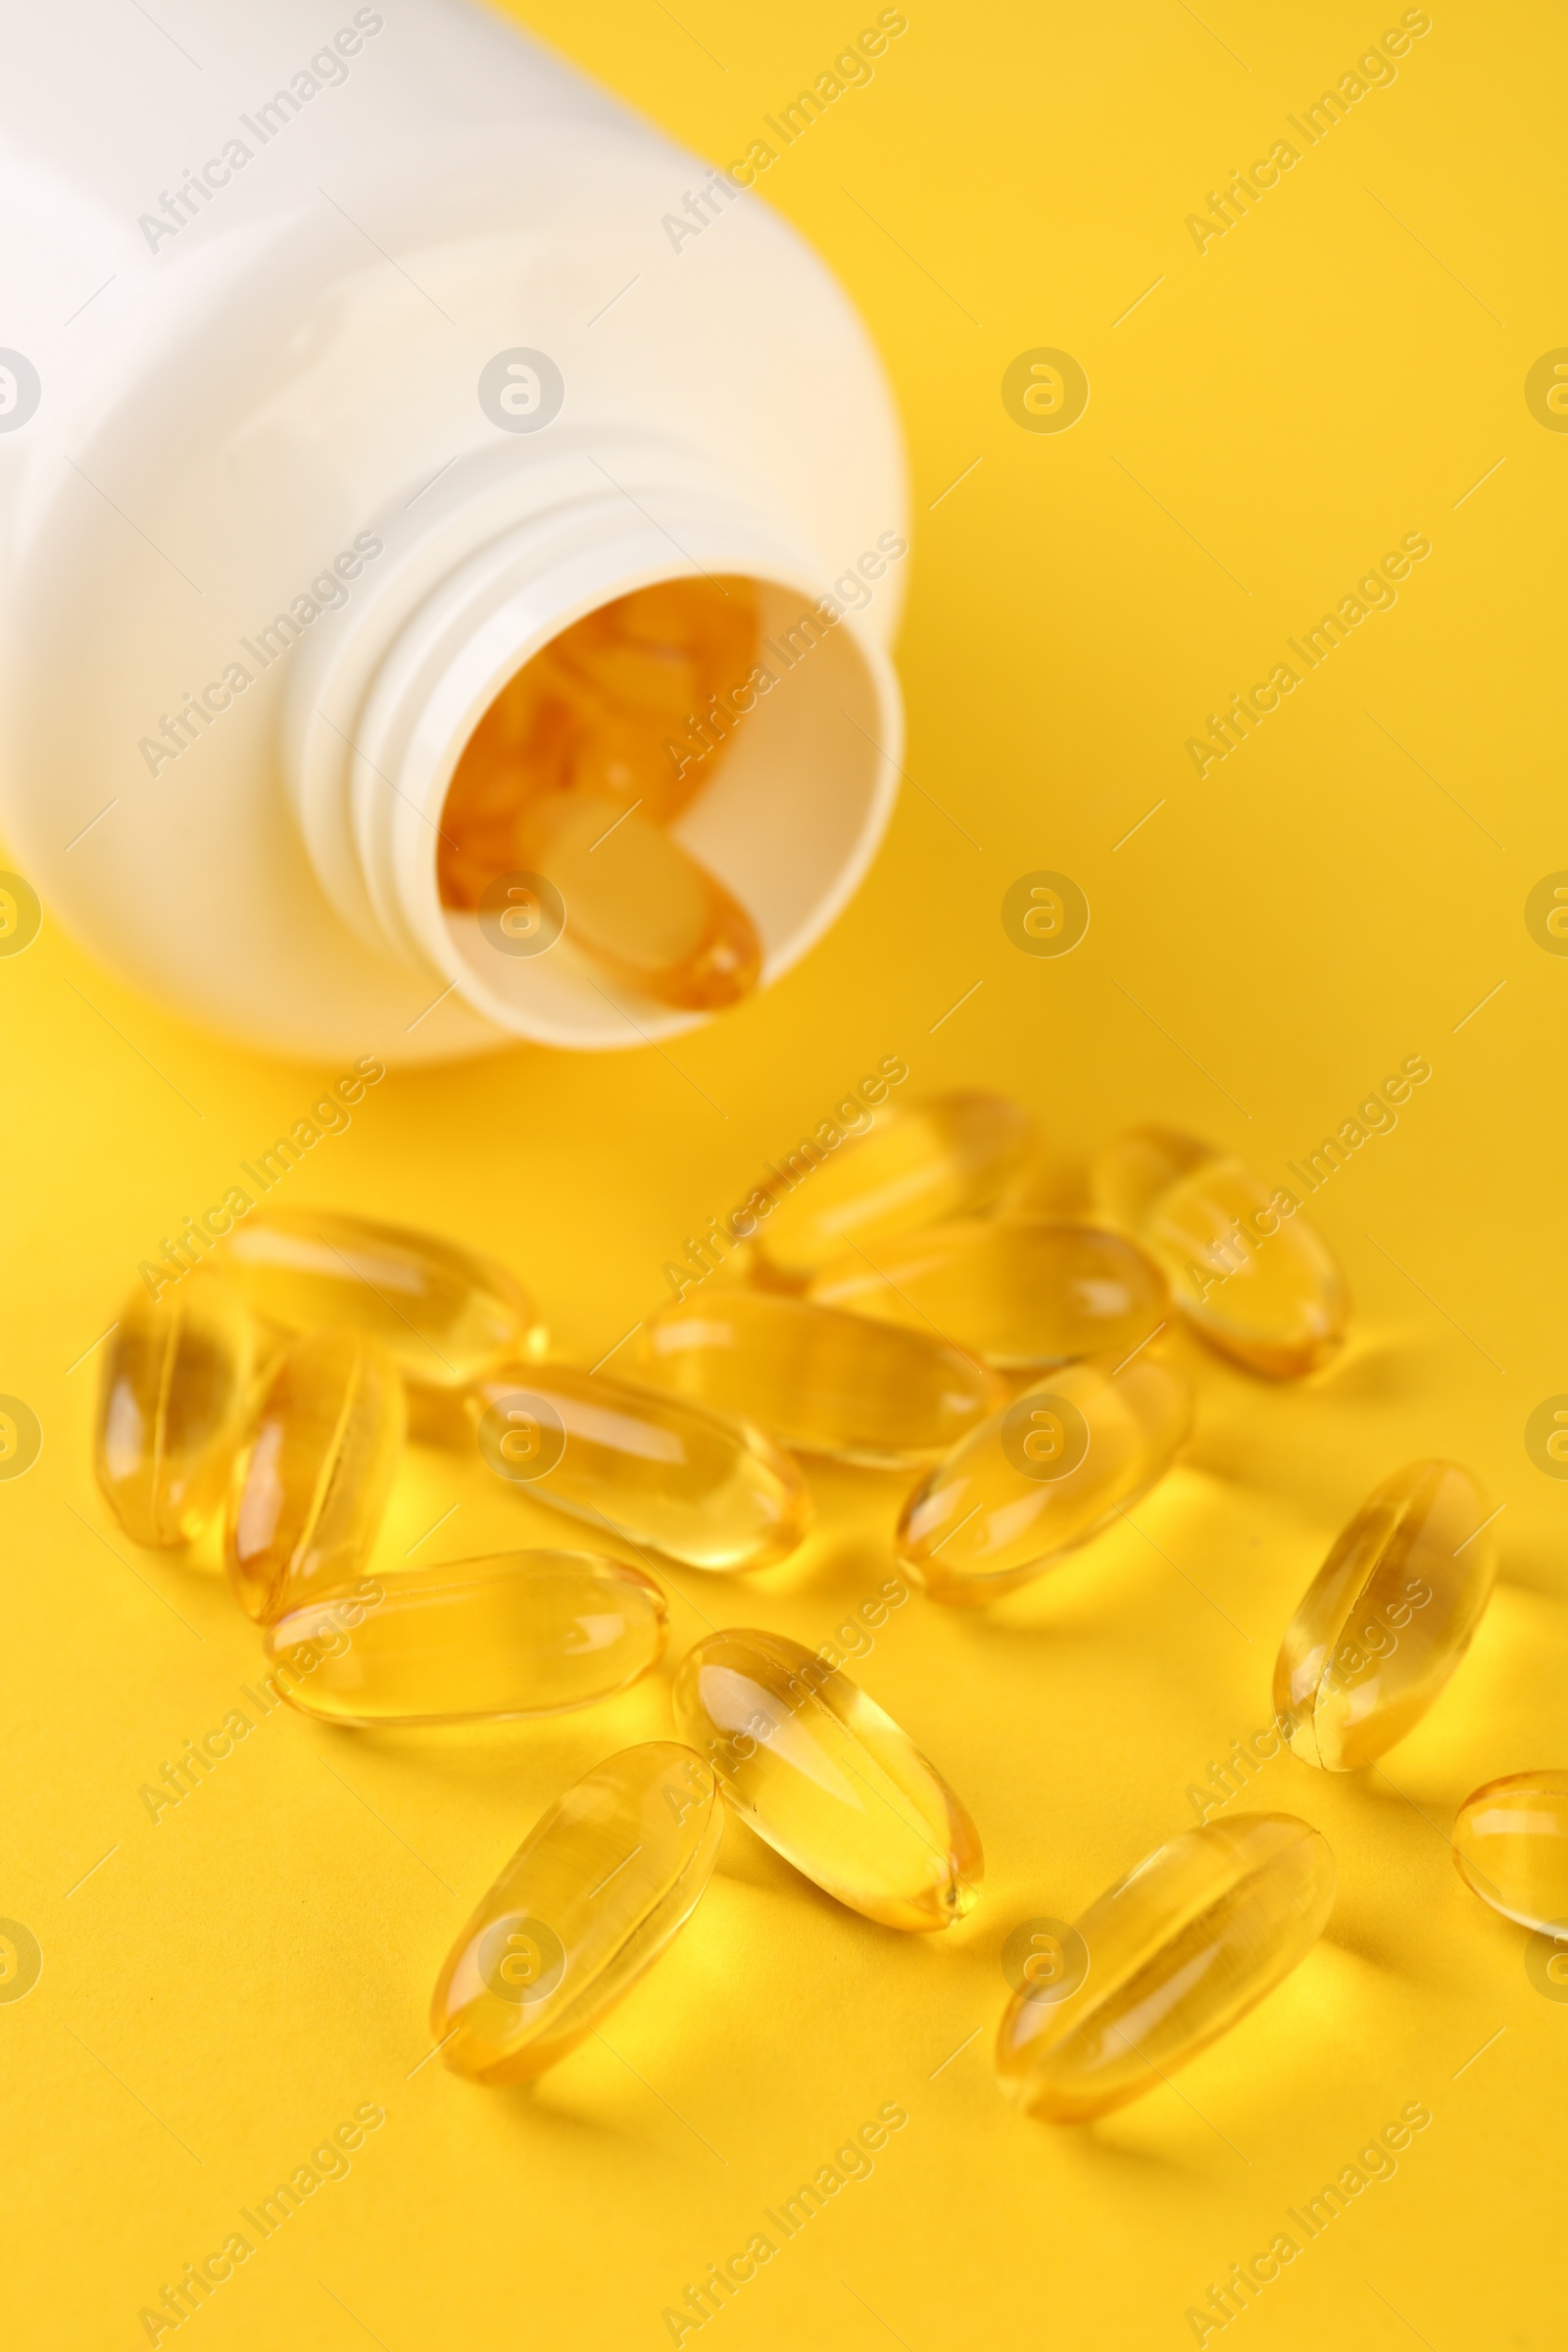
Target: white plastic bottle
x=347 y=355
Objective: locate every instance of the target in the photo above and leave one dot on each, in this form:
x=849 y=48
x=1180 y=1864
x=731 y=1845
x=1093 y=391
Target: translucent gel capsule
x=1165 y=1962
x=445 y=1313
x=950 y=1155
x=831 y=1782
x=1387 y=1618
x=600 y=1885
x=309 y=1493
x=638 y=903
x=1510 y=1844
x=523 y=1633
x=1042 y=1476
x=1018 y=1293
x=819 y=1380
x=1249 y=1273
x=172 y=1406
x=673 y=1476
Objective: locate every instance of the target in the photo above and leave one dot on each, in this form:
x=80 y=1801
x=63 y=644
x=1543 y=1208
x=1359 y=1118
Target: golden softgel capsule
x=597 y=1889
x=1021 y=1292
x=1164 y=1962
x=446 y=1315
x=1042 y=1476
x=657 y=1471
x=950 y=1155
x=171 y=1404
x=1244 y=1267
x=311 y=1491
x=522 y=1633
x=820 y=1381
x=1387 y=1617
x=832 y=1784
x=637 y=903
x=1510 y=1845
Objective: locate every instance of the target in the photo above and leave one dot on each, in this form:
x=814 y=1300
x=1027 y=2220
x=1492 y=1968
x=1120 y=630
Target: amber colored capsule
x=1387 y=1618
x=1510 y=1847
x=1042 y=1476
x=171 y=1404
x=445 y=1313
x=923 y=1162
x=820 y=1381
x=637 y=903
x=1248 y=1272
x=1021 y=1292
x=1164 y=1963
x=310 y=1492
x=522 y=1633
x=655 y=1469
x=600 y=1885
x=831 y=1782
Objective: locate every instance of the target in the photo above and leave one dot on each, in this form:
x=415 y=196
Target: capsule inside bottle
x=921 y=1163
x=520 y=1633
x=831 y=1782
x=171 y=1403
x=1387 y=1617
x=819 y=1381
x=445 y=1314
x=1042 y=1476
x=1245 y=1268
x=1510 y=1847
x=1164 y=1963
x=311 y=1491
x=637 y=903
x=597 y=1889
x=580 y=766
x=659 y=1471
x=1021 y=1292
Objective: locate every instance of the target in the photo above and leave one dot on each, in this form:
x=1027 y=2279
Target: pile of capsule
x=567 y=787
x=907 y=1308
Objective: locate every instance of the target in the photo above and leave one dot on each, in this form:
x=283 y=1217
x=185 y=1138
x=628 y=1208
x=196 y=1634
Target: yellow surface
x=232 y=1983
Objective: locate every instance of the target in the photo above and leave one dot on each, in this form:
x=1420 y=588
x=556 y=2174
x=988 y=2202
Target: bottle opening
x=660 y=808
x=593 y=776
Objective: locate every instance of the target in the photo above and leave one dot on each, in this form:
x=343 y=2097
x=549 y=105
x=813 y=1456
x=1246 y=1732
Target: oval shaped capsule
x=310 y=1492
x=657 y=1471
x=1042 y=1476
x=1248 y=1272
x=637 y=903
x=819 y=1381
x=520 y=1633
x=1166 y=1960
x=831 y=1782
x=1387 y=1618
x=950 y=1156
x=171 y=1404
x=596 y=1890
x=445 y=1314
x=1021 y=1292
x=1510 y=1847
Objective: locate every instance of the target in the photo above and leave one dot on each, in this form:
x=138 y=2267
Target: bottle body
x=285 y=508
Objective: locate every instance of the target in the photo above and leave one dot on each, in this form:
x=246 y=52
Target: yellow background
x=233 y=1981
